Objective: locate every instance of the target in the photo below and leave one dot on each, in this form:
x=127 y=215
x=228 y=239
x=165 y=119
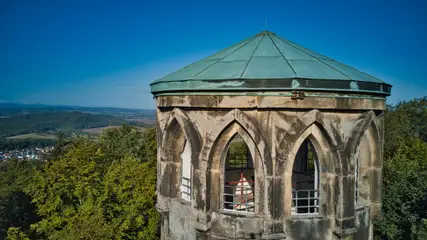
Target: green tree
x=14 y=233
x=61 y=143
x=99 y=190
x=16 y=209
x=67 y=187
x=419 y=231
x=130 y=141
x=405 y=192
x=238 y=153
x=129 y=191
x=405 y=172
x=404 y=121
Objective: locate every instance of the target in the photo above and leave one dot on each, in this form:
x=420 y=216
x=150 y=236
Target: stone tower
x=313 y=131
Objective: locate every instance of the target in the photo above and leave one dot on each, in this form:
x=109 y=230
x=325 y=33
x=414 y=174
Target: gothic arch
x=326 y=168
x=178 y=120
x=329 y=133
x=178 y=130
x=368 y=159
x=216 y=163
x=237 y=116
x=365 y=123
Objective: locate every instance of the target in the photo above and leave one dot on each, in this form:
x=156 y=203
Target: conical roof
x=267 y=62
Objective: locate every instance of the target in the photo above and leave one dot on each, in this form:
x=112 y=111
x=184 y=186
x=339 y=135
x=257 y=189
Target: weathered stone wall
x=273 y=128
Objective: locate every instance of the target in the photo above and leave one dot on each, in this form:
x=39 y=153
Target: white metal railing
x=239 y=198
x=305 y=201
x=186 y=188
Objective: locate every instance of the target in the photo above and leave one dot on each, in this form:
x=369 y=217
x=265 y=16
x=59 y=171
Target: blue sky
x=105 y=53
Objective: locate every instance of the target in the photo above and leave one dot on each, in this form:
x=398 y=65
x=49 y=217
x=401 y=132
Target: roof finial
x=265 y=22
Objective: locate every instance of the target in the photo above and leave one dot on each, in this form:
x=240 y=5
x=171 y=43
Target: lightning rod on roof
x=265 y=22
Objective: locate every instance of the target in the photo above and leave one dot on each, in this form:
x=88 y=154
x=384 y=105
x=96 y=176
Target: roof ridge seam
x=203 y=59
x=289 y=42
x=318 y=59
x=345 y=65
x=247 y=64
x=286 y=40
x=293 y=70
x=247 y=41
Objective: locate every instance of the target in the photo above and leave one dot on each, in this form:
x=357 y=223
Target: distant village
x=25 y=154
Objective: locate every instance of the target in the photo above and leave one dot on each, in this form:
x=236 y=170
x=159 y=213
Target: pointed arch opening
x=178 y=160
x=239 y=177
x=309 y=174
x=218 y=169
x=305 y=180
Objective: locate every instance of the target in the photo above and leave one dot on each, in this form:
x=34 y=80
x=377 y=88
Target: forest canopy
x=88 y=189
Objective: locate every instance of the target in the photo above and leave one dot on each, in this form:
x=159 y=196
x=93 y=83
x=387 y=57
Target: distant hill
x=50 y=122
x=13 y=109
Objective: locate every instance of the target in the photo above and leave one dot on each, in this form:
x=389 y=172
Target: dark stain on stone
x=312 y=229
x=215 y=113
x=278 y=201
x=363 y=227
x=159 y=132
x=165 y=182
x=197 y=184
x=205 y=101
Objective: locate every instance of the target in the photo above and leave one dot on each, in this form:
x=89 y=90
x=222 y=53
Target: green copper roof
x=267 y=62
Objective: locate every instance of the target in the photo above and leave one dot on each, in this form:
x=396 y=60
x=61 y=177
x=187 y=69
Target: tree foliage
x=404 y=121
x=238 y=153
x=99 y=189
x=14 y=233
x=16 y=209
x=405 y=172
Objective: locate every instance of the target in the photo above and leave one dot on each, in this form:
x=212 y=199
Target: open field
x=98 y=130
x=33 y=136
x=148 y=121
